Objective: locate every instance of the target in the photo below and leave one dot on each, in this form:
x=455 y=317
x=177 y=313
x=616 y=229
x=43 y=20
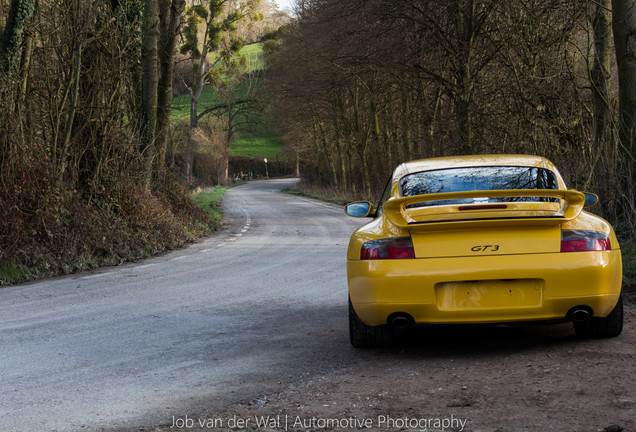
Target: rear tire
x=610 y=326
x=364 y=336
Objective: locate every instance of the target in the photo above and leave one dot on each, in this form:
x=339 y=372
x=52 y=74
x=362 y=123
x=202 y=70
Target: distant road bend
x=238 y=314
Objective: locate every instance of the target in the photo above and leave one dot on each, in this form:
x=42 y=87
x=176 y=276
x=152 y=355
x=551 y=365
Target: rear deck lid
x=484 y=242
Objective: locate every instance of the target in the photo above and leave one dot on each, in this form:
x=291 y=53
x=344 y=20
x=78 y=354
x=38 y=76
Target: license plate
x=489 y=294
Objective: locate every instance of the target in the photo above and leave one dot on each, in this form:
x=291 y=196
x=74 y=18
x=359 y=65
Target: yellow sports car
x=481 y=239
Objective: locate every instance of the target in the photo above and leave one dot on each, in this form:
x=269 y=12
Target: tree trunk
x=20 y=12
x=69 y=118
x=2 y=20
x=25 y=67
x=600 y=73
x=464 y=14
x=328 y=154
x=150 y=81
x=195 y=94
x=199 y=72
x=339 y=122
x=194 y=123
x=624 y=27
x=407 y=141
x=170 y=23
x=599 y=84
x=24 y=113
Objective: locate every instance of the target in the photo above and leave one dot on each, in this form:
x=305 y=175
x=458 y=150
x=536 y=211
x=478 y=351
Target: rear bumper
x=485 y=289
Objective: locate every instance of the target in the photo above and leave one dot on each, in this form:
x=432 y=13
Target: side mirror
x=359 y=209
x=590 y=200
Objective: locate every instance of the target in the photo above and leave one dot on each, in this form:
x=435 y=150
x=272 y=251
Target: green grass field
x=254 y=53
x=256 y=140
x=261 y=141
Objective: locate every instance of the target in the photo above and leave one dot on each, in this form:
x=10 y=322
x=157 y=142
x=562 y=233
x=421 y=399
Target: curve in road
x=235 y=314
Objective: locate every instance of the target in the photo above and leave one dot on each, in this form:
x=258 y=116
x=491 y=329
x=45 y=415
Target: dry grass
x=328 y=193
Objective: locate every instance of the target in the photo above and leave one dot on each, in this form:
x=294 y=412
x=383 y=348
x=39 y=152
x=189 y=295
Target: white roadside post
x=266 y=172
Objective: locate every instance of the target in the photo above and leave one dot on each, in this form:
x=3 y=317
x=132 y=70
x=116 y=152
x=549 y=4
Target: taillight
x=391 y=248
x=580 y=241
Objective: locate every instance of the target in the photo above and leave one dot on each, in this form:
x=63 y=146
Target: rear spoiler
x=572 y=202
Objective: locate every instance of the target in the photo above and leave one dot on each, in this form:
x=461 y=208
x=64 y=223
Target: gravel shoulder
x=535 y=378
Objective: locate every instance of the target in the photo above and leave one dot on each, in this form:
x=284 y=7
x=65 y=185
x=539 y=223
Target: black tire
x=610 y=326
x=364 y=336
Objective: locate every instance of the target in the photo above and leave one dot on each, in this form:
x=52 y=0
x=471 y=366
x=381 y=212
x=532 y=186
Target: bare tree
x=624 y=28
x=600 y=74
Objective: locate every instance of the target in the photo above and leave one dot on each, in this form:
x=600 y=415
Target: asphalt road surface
x=143 y=342
x=253 y=321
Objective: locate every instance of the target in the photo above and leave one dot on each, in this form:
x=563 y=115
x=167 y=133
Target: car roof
x=470 y=161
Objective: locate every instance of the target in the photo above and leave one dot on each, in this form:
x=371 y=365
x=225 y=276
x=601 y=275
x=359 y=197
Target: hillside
x=256 y=136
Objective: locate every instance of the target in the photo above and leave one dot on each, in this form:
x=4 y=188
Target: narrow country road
x=140 y=343
x=252 y=322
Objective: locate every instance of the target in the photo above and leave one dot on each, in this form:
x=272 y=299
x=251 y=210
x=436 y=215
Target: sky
x=284 y=4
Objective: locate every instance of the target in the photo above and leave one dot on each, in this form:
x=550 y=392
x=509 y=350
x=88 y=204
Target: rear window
x=478 y=179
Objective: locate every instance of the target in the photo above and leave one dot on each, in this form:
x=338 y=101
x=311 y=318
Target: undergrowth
x=326 y=193
x=48 y=230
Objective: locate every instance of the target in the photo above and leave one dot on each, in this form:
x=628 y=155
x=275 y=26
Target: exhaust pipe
x=401 y=321
x=579 y=315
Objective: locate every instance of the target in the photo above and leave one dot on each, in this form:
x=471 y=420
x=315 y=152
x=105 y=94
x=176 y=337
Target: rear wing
x=568 y=207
